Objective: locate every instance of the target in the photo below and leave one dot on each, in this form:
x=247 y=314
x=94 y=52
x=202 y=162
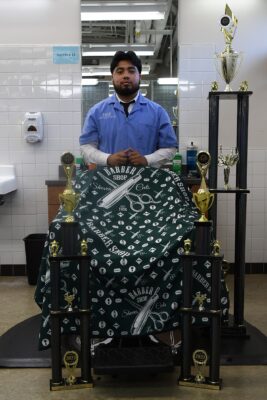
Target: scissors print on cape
x=137 y=202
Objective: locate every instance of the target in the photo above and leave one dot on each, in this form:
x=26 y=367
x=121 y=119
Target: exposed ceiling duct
x=156 y=36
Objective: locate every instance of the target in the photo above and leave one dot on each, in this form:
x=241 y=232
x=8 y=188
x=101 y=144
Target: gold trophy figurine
x=203 y=199
x=199 y=299
x=228 y=61
x=69 y=199
x=69 y=299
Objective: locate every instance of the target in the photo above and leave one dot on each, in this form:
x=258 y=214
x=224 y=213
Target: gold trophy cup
x=69 y=199
x=228 y=61
x=203 y=199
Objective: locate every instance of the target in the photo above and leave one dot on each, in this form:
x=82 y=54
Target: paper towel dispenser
x=33 y=127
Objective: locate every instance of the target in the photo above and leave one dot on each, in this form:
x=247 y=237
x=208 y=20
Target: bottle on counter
x=177 y=163
x=79 y=163
x=191 y=157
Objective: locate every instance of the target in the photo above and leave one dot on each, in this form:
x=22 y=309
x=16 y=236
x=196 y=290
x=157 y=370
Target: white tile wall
x=29 y=81
x=196 y=71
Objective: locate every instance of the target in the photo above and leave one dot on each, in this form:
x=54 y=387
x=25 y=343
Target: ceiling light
x=123 y=10
x=89 y=82
x=167 y=81
x=104 y=70
x=110 y=49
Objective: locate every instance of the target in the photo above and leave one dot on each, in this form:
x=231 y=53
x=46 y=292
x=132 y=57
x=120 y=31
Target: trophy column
x=237 y=328
x=203 y=253
x=70 y=252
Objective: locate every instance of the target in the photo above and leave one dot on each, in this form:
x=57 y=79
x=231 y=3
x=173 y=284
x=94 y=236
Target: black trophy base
x=206 y=384
x=64 y=385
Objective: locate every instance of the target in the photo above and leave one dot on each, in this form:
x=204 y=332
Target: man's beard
x=126 y=90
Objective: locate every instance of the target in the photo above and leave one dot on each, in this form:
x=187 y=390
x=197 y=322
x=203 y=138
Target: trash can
x=34 y=245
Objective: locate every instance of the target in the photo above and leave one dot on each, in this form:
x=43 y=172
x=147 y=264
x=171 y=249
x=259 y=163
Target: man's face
x=126 y=78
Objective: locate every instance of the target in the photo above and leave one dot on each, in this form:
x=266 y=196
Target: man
x=127 y=128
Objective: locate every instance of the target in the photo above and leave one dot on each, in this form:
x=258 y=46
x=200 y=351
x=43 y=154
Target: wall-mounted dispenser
x=33 y=127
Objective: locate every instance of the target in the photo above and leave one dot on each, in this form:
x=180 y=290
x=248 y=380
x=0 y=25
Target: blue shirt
x=146 y=129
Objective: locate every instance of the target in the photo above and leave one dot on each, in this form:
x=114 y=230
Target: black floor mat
x=19 y=347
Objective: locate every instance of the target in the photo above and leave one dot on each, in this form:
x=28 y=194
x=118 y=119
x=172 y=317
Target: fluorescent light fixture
x=104 y=70
x=144 y=84
x=110 y=49
x=167 y=81
x=123 y=10
x=89 y=82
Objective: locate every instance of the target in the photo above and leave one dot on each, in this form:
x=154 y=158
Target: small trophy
x=69 y=199
x=228 y=62
x=84 y=247
x=69 y=299
x=200 y=358
x=54 y=248
x=187 y=246
x=199 y=299
x=216 y=248
x=203 y=199
x=71 y=359
x=227 y=161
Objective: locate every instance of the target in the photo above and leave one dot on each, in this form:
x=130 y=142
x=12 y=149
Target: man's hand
x=135 y=158
x=120 y=158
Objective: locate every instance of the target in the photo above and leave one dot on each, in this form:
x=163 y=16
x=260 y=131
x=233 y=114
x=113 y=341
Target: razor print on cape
x=145 y=312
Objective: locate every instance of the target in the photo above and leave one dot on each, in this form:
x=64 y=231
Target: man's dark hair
x=125 y=55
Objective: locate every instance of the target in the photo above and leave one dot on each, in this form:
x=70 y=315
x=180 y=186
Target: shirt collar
x=121 y=101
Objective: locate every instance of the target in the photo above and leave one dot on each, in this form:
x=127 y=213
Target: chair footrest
x=118 y=360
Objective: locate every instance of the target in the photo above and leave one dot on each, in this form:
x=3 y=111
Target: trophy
x=227 y=161
x=199 y=299
x=69 y=199
x=71 y=359
x=203 y=199
x=200 y=359
x=187 y=245
x=228 y=61
x=69 y=299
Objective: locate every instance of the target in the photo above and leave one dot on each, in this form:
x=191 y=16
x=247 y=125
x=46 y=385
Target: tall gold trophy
x=203 y=199
x=228 y=61
x=69 y=199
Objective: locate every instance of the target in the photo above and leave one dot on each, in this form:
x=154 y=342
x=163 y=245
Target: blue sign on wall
x=66 y=54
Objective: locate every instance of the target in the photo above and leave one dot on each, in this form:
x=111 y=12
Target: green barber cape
x=135 y=221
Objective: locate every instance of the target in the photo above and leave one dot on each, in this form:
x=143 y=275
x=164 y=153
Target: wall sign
x=66 y=54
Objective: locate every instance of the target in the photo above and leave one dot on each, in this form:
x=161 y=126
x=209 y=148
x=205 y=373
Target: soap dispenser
x=33 y=128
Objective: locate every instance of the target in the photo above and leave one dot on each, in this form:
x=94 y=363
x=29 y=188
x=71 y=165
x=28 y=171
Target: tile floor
x=246 y=382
